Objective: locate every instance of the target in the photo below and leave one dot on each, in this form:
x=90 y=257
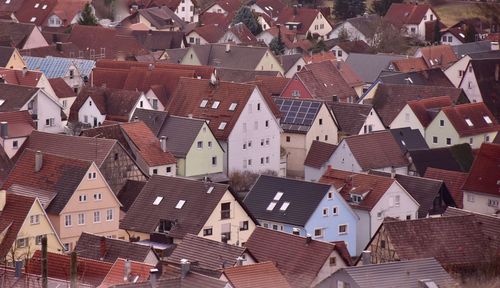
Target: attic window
x=33 y=19
x=222 y=125
x=271 y=206
x=284 y=206
x=487 y=119
x=278 y=195
x=37 y=5
x=210 y=189
x=233 y=106
x=356 y=198
x=203 y=103
x=215 y=105
x=158 y=200
x=180 y=204
x=44 y=7
x=467 y=120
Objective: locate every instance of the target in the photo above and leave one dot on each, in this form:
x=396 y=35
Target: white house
x=411 y=18
x=15 y=128
x=304 y=21
x=358 y=28
x=356 y=119
x=186 y=10
x=453 y=36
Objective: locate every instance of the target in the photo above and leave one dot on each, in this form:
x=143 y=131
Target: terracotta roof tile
x=218 y=19
x=264 y=274
x=17 y=77
x=410 y=64
x=35 y=11
x=478 y=114
x=355 y=46
x=20 y=123
x=244 y=34
x=426 y=109
x=15 y=96
x=484 y=176
x=400 y=13
x=68 y=10
x=438 y=56
x=271 y=7
x=319 y=153
x=275 y=85
x=210 y=32
x=453 y=180
x=487 y=72
x=305 y=16
x=138 y=272
x=15 y=34
x=61 y=88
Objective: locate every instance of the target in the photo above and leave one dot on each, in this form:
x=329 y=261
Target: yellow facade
x=16 y=61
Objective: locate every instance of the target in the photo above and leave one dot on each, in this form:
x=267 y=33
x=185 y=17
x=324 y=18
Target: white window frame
x=109 y=214
x=81 y=218
x=97 y=216
x=346 y=229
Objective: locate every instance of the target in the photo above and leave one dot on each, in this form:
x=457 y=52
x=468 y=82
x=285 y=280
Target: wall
x=75 y=81
x=162 y=170
x=453 y=73
x=318 y=21
x=190 y=58
x=354 y=34
x=90 y=110
x=185 y=11
x=35 y=40
x=339 y=53
x=269 y=63
x=296 y=85
x=45 y=107
x=295 y=68
x=229 y=37
x=327 y=270
x=216 y=9
x=142 y=103
x=199 y=161
x=296 y=152
x=406 y=118
x=446 y=37
x=478 y=202
x=16 y=61
x=363 y=230
x=151 y=96
x=339 y=276
x=196 y=37
x=7 y=145
x=343 y=159
x=265 y=36
x=470 y=87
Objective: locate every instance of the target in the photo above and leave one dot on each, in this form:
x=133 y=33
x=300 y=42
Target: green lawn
x=451 y=13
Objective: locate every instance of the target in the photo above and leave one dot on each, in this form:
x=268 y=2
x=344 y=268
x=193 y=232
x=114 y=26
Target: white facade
x=89 y=114
x=339 y=53
x=372 y=123
x=216 y=8
x=295 y=68
x=469 y=85
x=195 y=38
x=353 y=32
x=154 y=101
x=418 y=30
x=320 y=26
x=12 y=145
x=456 y=71
x=186 y=11
x=406 y=118
x=243 y=150
x=481 y=203
x=47 y=111
x=450 y=39
x=164 y=170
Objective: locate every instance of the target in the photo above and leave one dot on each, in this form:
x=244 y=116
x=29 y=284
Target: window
x=487 y=138
x=492 y=203
x=15 y=144
x=22 y=242
x=81 y=219
x=82 y=198
x=209 y=144
x=325 y=211
x=243 y=225
x=169 y=169
x=155 y=171
x=249 y=143
x=214 y=161
x=180 y=204
x=244 y=163
x=215 y=105
x=450 y=39
x=256 y=125
x=232 y=107
x=330 y=195
x=38 y=239
x=441 y=123
x=141 y=104
x=71 y=74
x=295 y=93
x=97 y=216
x=287 y=138
x=92 y=175
x=267 y=123
x=379 y=215
x=335 y=210
x=261 y=160
x=49 y=122
x=249 y=162
x=318 y=233
x=467 y=120
x=413 y=29
x=487 y=119
x=267 y=141
x=67 y=220
x=339 y=53
x=225 y=210
x=444 y=39
x=320 y=121
x=408 y=217
x=382 y=244
x=434 y=139
x=208 y=231
x=284 y=206
x=296 y=231
x=244 y=146
x=97 y=196
x=222 y=125
x=35 y=219
x=342 y=229
x=225 y=236
x=203 y=103
x=199 y=144
x=271 y=206
x=333 y=261
x=397 y=200
x=191 y=39
x=258 y=106
x=109 y=215
x=267 y=159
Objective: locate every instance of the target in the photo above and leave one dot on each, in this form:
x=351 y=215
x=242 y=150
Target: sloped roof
x=15 y=96
x=153 y=118
x=129 y=192
x=456 y=158
x=162 y=17
x=426 y=109
x=58 y=174
x=302 y=15
x=6 y=165
x=366 y=24
x=378 y=63
x=210 y=32
x=228 y=5
x=35 y=11
x=181 y=133
x=15 y=34
x=429 y=77
x=401 y=13
x=354 y=46
x=319 y=153
x=487 y=77
x=409 y=139
x=55 y=67
x=20 y=123
x=410 y=64
x=61 y=88
x=239 y=57
x=139 y=272
x=478 y=114
x=160 y=40
x=271 y=7
x=384 y=151
x=243 y=75
x=350 y=117
x=89 y=246
x=5 y=55
x=219 y=19
x=438 y=56
x=299 y=208
x=484 y=176
x=67 y=10
x=287 y=61
x=244 y=34
x=453 y=180
x=18 y=77
x=472 y=48
x=275 y=85
x=264 y=274
x=198 y=207
x=297 y=115
x=44 y=196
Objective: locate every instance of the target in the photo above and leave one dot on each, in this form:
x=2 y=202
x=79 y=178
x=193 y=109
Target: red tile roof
x=400 y=13
x=305 y=16
x=20 y=123
x=139 y=272
x=319 y=153
x=210 y=32
x=89 y=271
x=453 y=180
x=228 y=5
x=438 y=56
x=35 y=11
x=218 y=19
x=67 y=10
x=484 y=176
x=422 y=108
x=320 y=57
x=477 y=113
x=275 y=85
x=350 y=182
x=241 y=31
x=17 y=77
x=61 y=88
x=264 y=274
x=410 y=64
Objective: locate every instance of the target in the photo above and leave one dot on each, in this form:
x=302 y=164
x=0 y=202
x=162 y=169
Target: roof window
x=180 y=204
x=33 y=19
x=232 y=107
x=203 y=103
x=467 y=120
x=271 y=206
x=215 y=105
x=2 y=101
x=37 y=5
x=44 y=6
x=7 y=1
x=278 y=195
x=157 y=200
x=284 y=206
x=210 y=189
x=487 y=119
x=222 y=125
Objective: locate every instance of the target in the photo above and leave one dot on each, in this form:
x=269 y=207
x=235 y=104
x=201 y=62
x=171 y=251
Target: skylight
x=180 y=204
x=203 y=103
x=233 y=106
x=215 y=104
x=271 y=206
x=210 y=189
x=278 y=195
x=7 y=1
x=487 y=119
x=36 y=5
x=467 y=120
x=1 y=102
x=284 y=206
x=33 y=19
x=157 y=200
x=44 y=7
x=222 y=125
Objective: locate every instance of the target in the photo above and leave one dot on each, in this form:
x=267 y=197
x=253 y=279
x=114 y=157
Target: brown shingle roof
x=453 y=180
x=410 y=64
x=15 y=96
x=350 y=117
x=477 y=113
x=275 y=85
x=219 y=19
x=487 y=73
x=305 y=16
x=210 y=32
x=426 y=109
x=15 y=34
x=244 y=34
x=400 y=13
x=264 y=274
x=33 y=11
x=319 y=153
x=20 y=123
x=5 y=55
x=17 y=77
x=61 y=88
x=138 y=272
x=484 y=176
x=438 y=56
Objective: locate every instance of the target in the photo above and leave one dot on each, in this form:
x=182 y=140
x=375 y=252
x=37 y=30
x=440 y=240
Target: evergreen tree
x=381 y=7
x=319 y=46
x=470 y=33
x=87 y=16
x=276 y=45
x=345 y=9
x=437 y=32
x=245 y=16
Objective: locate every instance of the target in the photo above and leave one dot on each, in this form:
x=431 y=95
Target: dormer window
x=356 y=198
x=467 y=120
x=164 y=226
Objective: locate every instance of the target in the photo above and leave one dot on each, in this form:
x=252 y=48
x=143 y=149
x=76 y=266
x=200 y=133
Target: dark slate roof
x=15 y=96
x=486 y=72
x=129 y=192
x=241 y=75
x=430 y=77
x=402 y=274
x=453 y=180
x=15 y=34
x=240 y=57
x=366 y=24
x=198 y=207
x=409 y=139
x=287 y=61
x=160 y=40
x=455 y=158
x=300 y=208
x=471 y=48
x=208 y=254
x=378 y=63
x=319 y=153
x=153 y=118
x=181 y=133
x=89 y=246
x=350 y=117
x=5 y=55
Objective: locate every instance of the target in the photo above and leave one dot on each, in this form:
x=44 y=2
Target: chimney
x=59 y=46
x=127 y=270
x=348 y=181
x=294 y=9
x=25 y=70
x=185 y=267
x=228 y=47
x=163 y=143
x=3 y=199
x=19 y=268
x=239 y=261
x=393 y=172
x=494 y=45
x=102 y=248
x=366 y=257
x=4 y=130
x=38 y=161
x=73 y=271
x=45 y=271
x=308 y=238
x=153 y=276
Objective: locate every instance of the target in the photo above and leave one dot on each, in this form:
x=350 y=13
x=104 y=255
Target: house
x=224 y=7
x=210 y=255
x=271 y=8
x=411 y=18
x=244 y=276
x=156 y=19
x=93 y=105
x=290 y=253
x=26 y=77
x=425 y=77
x=410 y=64
x=362 y=28
x=356 y=119
x=440 y=56
x=303 y=121
x=198 y=152
x=474 y=48
x=480 y=190
x=126 y=272
x=67 y=204
x=15 y=128
x=64 y=93
x=279 y=204
x=21 y=36
x=65 y=14
x=186 y=10
x=110 y=250
x=343 y=49
x=427 y=272
x=150 y=154
x=10 y=58
x=317 y=160
x=443 y=238
x=114 y=162
x=234 y=112
x=456 y=71
x=409 y=139
x=481 y=83
x=232 y=56
x=289 y=39
x=44 y=109
x=418 y=114
x=453 y=180
x=385 y=154
x=304 y=21
x=378 y=63
x=373 y=198
x=238 y=34
x=24 y=224
x=208 y=33
x=179 y=206
x=458 y=158
x=432 y=195
x=75 y=72
x=158 y=41
x=466 y=123
x=453 y=36
x=291 y=64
